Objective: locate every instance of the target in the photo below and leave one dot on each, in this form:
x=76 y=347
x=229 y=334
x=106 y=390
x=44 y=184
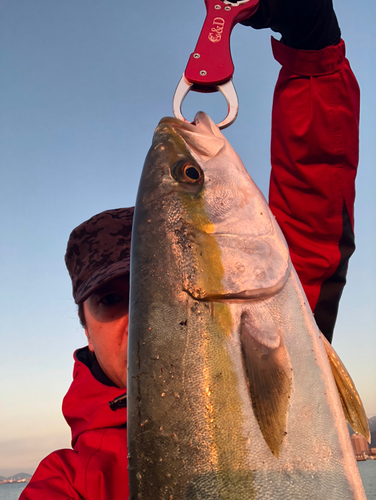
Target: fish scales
x=230 y=393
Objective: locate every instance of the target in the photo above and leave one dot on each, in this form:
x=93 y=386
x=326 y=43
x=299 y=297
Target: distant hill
x=373 y=439
x=19 y=476
x=372 y=424
x=372 y=428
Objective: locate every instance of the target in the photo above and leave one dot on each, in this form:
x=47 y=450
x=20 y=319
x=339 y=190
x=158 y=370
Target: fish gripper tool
x=210 y=67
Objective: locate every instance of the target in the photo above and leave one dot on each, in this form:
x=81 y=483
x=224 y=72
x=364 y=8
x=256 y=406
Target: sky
x=83 y=85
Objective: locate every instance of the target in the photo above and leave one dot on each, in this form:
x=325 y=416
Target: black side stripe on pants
x=331 y=290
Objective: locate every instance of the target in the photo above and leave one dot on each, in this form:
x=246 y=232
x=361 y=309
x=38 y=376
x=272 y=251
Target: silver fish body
x=230 y=392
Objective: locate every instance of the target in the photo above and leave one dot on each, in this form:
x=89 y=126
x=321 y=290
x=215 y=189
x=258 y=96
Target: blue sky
x=83 y=85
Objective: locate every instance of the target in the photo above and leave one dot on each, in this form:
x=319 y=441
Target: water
x=11 y=491
x=367 y=471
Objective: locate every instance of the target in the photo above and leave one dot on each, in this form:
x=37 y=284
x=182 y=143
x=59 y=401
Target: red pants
x=314 y=155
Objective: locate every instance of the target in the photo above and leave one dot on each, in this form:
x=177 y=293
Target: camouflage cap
x=99 y=250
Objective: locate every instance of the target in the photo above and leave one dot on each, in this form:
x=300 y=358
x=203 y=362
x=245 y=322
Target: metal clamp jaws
x=227 y=89
x=210 y=67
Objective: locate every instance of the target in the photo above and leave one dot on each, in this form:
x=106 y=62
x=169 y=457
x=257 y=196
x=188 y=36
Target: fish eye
x=189 y=172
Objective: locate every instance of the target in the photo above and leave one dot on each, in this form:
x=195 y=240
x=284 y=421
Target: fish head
x=221 y=230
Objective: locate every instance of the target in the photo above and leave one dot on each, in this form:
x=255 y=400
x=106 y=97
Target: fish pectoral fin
x=269 y=376
x=351 y=403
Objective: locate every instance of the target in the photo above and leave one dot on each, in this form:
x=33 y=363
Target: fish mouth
x=200 y=119
x=176 y=123
x=202 y=136
x=202 y=124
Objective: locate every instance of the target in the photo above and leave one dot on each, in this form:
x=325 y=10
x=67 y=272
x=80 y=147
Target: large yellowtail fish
x=231 y=393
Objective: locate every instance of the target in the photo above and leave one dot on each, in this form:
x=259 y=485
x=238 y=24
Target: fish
x=232 y=389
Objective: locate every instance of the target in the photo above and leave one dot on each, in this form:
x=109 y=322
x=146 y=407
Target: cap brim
x=99 y=278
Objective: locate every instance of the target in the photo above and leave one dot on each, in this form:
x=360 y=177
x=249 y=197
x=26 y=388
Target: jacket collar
x=89 y=403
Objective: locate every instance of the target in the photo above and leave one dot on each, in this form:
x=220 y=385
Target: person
x=98 y=259
x=314 y=155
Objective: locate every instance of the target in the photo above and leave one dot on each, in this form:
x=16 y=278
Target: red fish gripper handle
x=211 y=64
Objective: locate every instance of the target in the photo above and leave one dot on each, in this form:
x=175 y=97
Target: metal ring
x=228 y=91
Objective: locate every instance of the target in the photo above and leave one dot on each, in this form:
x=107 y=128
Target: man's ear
x=89 y=341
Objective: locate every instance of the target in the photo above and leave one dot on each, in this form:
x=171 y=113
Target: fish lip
x=201 y=120
x=202 y=137
x=174 y=127
x=178 y=124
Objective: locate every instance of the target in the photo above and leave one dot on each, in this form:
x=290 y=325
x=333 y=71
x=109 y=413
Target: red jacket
x=314 y=156
x=96 y=468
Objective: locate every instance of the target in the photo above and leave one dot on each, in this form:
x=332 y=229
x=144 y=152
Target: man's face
x=106 y=315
